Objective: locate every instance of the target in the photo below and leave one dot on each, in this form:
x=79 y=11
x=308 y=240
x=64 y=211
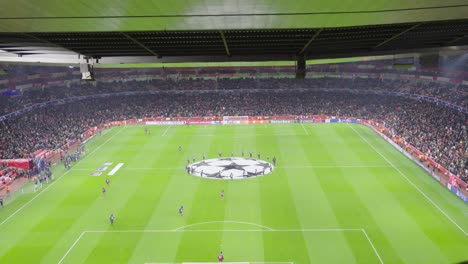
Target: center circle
x=233 y=168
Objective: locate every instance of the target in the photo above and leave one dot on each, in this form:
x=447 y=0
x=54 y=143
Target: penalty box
x=202 y=246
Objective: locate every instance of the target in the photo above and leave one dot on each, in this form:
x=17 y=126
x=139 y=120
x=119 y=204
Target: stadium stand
x=439 y=131
x=454 y=93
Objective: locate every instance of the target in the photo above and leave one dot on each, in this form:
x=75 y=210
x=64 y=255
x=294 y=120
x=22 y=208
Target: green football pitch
x=338 y=194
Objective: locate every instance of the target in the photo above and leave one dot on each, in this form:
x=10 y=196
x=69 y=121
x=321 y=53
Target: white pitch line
x=55 y=181
x=372 y=245
x=177 y=230
x=263 y=262
x=256 y=262
x=135 y=169
x=225 y=230
x=244 y=262
x=161 y=263
x=226 y=221
x=241 y=135
x=305 y=130
x=188 y=231
x=71 y=247
x=115 y=169
x=268 y=262
x=409 y=181
x=283 y=167
x=334 y=166
x=165 y=131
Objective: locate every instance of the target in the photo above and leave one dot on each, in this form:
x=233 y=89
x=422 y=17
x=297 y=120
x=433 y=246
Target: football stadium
x=247 y=132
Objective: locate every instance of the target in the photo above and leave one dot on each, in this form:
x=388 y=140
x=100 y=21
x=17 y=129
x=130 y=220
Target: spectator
x=438 y=131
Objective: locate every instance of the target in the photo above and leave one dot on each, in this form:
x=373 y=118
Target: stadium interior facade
x=357 y=102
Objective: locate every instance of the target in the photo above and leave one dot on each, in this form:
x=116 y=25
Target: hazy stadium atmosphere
x=262 y=131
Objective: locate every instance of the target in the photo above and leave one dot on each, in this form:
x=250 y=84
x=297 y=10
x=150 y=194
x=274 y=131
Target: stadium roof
x=129 y=31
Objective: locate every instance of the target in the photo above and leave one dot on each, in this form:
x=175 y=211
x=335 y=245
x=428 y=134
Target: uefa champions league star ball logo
x=230 y=168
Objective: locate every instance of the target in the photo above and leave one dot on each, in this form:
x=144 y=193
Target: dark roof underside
x=311 y=42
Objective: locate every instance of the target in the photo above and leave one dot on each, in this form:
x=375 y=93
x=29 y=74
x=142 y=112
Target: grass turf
x=334 y=197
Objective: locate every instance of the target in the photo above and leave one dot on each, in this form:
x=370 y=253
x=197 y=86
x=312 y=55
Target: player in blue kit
x=111 y=219
x=181 y=210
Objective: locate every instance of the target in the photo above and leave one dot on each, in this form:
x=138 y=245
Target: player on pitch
x=111 y=219
x=181 y=210
x=220 y=257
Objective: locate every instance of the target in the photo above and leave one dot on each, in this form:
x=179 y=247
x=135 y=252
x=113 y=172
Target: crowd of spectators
x=439 y=131
x=7 y=175
x=450 y=92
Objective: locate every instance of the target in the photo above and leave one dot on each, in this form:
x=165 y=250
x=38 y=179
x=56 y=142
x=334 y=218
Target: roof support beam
x=456 y=39
x=62 y=59
x=397 y=35
x=310 y=41
x=4 y=52
x=39 y=39
x=51 y=44
x=140 y=44
x=225 y=43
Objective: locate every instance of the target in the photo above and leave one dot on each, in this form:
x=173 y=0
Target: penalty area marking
x=165 y=131
x=409 y=181
x=305 y=130
x=179 y=230
x=276 y=262
x=242 y=135
x=372 y=245
x=55 y=181
x=230 y=222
